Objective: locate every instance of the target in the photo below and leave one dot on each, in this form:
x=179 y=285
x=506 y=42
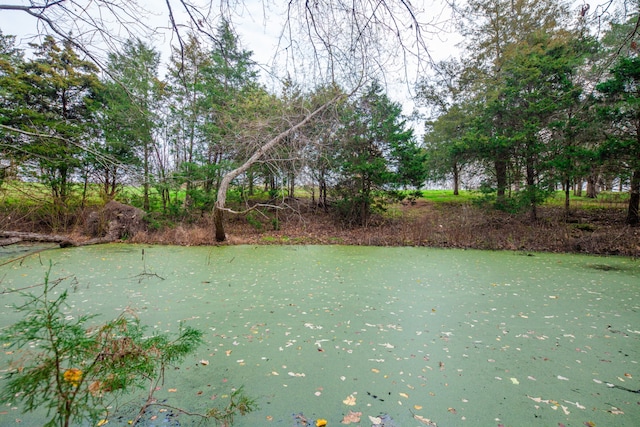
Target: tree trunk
x=591 y=186
x=292 y=183
x=532 y=190
x=567 y=192
x=219 y=207
x=578 y=188
x=634 y=199
x=501 y=180
x=456 y=180
x=145 y=186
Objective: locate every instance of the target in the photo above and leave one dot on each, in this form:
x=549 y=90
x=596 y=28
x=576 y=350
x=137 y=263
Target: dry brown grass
x=592 y=231
x=599 y=231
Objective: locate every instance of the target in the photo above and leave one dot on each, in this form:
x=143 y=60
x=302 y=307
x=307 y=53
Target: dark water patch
x=606 y=267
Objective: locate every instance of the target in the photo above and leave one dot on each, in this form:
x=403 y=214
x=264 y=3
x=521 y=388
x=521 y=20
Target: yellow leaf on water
x=102 y=422
x=172 y=390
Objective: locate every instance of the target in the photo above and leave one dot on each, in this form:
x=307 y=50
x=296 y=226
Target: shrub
x=74 y=371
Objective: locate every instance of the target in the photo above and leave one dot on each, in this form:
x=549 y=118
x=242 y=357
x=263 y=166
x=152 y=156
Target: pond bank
x=595 y=231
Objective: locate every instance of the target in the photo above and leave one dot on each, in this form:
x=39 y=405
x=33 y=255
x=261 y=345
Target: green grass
x=447 y=196
x=605 y=199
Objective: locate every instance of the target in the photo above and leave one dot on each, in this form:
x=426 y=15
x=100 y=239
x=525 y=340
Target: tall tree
x=132 y=105
x=446 y=95
x=187 y=112
x=372 y=152
x=539 y=88
x=495 y=31
x=446 y=146
x=11 y=65
x=58 y=89
x=228 y=81
x=621 y=93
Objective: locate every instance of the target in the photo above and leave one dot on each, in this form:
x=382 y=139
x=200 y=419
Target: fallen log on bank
x=113 y=222
x=13 y=237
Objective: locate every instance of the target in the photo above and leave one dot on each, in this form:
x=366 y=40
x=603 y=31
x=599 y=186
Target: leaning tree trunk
x=219 y=207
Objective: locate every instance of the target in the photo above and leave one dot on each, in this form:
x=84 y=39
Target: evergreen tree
x=56 y=94
x=229 y=81
x=621 y=95
x=187 y=111
x=11 y=65
x=131 y=115
x=375 y=153
x=496 y=31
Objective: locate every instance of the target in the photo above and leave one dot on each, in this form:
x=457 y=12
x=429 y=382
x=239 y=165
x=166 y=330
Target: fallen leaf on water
x=102 y=422
x=375 y=420
x=172 y=390
x=350 y=400
x=352 y=417
x=514 y=381
x=425 y=421
x=452 y=410
x=375 y=371
x=204 y=362
x=405 y=395
x=417 y=407
x=560 y=377
x=615 y=411
x=590 y=424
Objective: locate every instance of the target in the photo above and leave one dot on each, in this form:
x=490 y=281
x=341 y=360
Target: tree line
x=69 y=126
x=538 y=100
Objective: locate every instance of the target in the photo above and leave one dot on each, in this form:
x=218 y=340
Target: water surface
x=458 y=337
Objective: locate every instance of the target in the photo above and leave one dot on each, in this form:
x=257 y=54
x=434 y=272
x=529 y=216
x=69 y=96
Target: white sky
x=258 y=24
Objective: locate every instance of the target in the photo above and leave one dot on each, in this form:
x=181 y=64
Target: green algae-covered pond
x=402 y=335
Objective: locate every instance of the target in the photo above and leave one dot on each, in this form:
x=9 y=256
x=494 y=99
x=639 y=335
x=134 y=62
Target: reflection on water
x=408 y=334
